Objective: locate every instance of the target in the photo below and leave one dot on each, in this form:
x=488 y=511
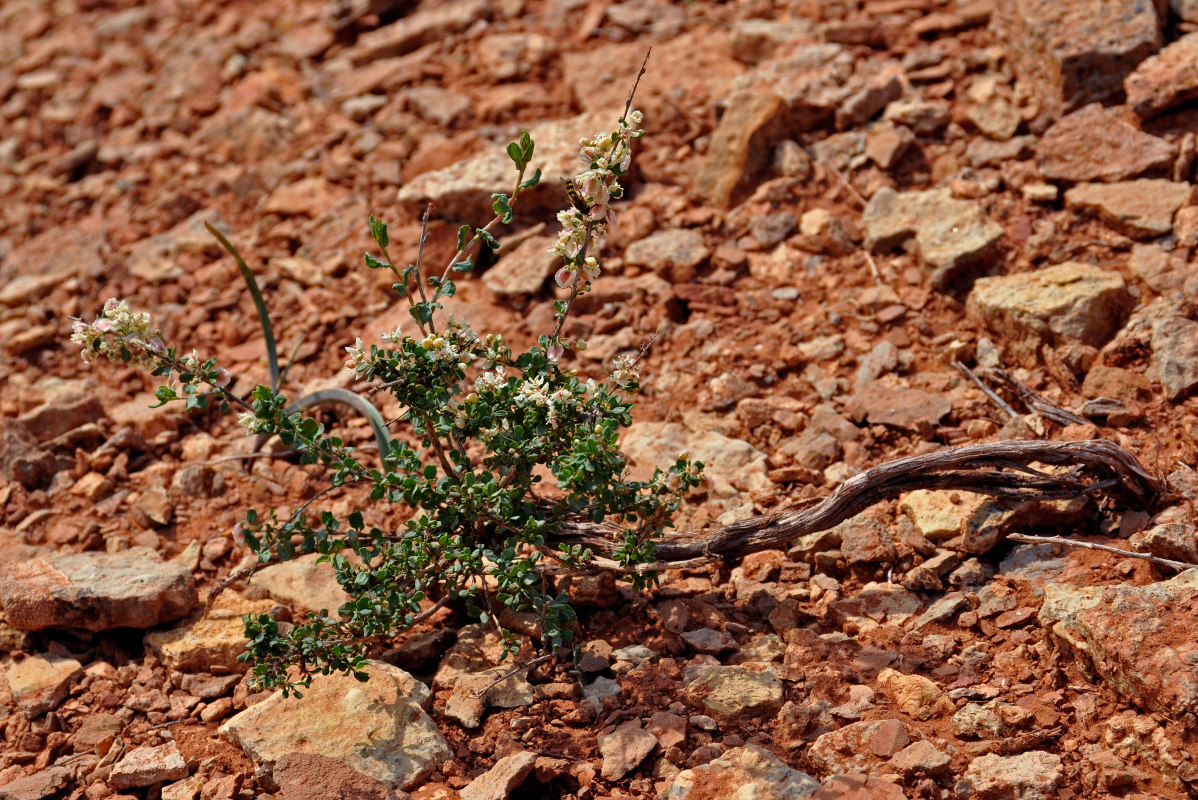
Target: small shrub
x=489 y=421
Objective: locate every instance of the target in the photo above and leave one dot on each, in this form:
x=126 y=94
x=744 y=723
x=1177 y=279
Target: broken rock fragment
x=1074 y=53
x=1093 y=144
x=1141 y=208
x=96 y=591
x=1136 y=638
x=1070 y=302
x=378 y=728
x=950 y=235
x=756 y=773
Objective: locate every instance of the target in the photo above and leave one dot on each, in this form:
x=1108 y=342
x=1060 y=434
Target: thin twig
x=994 y=398
x=1166 y=562
x=483 y=691
x=241 y=574
x=1033 y=400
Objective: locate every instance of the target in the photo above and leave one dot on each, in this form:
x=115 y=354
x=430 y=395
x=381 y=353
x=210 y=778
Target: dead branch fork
x=1001 y=469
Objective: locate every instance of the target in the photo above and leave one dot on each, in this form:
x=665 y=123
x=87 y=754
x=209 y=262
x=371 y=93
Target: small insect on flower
x=575 y=196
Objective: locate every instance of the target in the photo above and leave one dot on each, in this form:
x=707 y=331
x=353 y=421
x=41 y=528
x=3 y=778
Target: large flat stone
x=1138 y=639
x=212 y=642
x=748 y=772
x=742 y=144
x=462 y=191
x=1141 y=208
x=1070 y=302
x=96 y=591
x=40 y=682
x=1165 y=79
x=1093 y=144
x=1073 y=53
x=377 y=728
x=951 y=235
x=732 y=692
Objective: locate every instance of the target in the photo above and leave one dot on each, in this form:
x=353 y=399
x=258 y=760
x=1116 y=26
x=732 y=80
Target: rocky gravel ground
x=835 y=203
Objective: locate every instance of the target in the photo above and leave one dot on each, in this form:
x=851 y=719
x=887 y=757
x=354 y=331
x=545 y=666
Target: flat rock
x=1166 y=79
x=524 y=270
x=730 y=692
x=1034 y=775
x=1164 y=271
x=747 y=771
x=96 y=591
x=901 y=407
x=473 y=664
x=1093 y=144
x=309 y=776
x=678 y=248
x=499 y=781
x=941 y=514
x=742 y=144
x=378 y=728
x=1175 y=352
x=624 y=749
x=920 y=759
x=1070 y=302
x=1141 y=208
x=1071 y=54
x=303 y=582
x=812 y=79
x=462 y=191
x=200 y=643
x=732 y=465
x=40 y=682
x=860 y=747
x=1134 y=637
x=35 y=787
x=423 y=26
x=706 y=640
x=875 y=604
x=951 y=235
x=144 y=766
x=858 y=787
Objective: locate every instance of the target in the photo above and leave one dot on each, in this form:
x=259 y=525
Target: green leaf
x=463 y=236
x=502 y=207
x=378 y=229
x=374 y=263
x=516 y=154
x=526 y=145
x=465 y=265
x=528 y=183
x=487 y=238
x=446 y=289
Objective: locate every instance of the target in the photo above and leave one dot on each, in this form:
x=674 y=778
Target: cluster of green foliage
x=489 y=425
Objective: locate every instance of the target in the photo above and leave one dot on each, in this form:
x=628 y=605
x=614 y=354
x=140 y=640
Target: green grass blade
x=354 y=401
x=272 y=355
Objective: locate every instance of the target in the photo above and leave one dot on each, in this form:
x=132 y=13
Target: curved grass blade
x=356 y=402
x=272 y=355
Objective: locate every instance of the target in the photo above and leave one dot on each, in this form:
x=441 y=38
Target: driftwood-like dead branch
x=1000 y=469
x=1165 y=562
x=1032 y=399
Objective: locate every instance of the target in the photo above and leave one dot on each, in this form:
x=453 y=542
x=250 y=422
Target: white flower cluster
x=626 y=370
x=608 y=157
x=119 y=331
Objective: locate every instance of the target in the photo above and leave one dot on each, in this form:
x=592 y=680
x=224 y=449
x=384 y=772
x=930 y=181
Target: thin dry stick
x=1034 y=400
x=994 y=398
x=1166 y=562
x=482 y=692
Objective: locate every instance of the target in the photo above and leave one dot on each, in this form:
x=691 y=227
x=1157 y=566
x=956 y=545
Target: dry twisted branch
x=1001 y=469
